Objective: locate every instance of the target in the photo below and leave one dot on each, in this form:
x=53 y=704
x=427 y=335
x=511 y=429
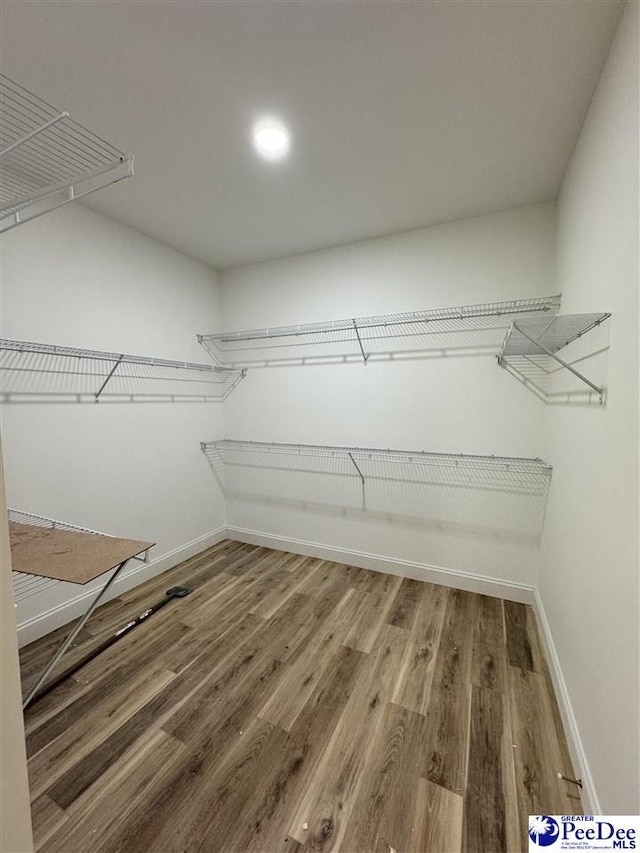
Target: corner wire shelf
x=26 y=585
x=39 y=373
x=537 y=343
x=46 y=158
x=374 y=338
x=515 y=472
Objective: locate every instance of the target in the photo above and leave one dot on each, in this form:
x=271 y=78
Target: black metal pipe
x=174 y=592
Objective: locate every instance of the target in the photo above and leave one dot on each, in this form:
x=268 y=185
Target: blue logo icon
x=543 y=830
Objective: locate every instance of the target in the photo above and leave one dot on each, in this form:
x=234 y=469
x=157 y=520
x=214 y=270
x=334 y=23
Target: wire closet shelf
x=534 y=343
x=377 y=337
x=33 y=372
x=46 y=158
x=522 y=474
x=26 y=585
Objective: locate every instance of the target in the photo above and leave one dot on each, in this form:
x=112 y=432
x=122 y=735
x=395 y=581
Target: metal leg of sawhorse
x=74 y=633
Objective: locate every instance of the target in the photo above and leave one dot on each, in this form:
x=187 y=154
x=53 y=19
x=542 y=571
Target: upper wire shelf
x=46 y=158
x=33 y=372
x=375 y=338
x=532 y=346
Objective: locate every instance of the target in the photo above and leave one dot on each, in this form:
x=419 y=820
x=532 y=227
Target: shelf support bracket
x=364 y=357
x=361 y=475
x=355 y=464
x=111 y=372
x=581 y=377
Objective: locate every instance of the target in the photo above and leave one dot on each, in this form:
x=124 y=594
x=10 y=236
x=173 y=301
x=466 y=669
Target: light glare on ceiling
x=271 y=139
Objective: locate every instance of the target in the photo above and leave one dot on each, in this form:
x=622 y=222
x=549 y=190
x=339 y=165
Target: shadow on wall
x=488 y=498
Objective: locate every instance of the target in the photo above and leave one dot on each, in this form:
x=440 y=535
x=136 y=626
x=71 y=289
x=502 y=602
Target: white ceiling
x=403 y=113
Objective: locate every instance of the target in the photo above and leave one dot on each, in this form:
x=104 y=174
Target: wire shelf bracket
x=370 y=338
x=34 y=372
x=47 y=159
x=524 y=340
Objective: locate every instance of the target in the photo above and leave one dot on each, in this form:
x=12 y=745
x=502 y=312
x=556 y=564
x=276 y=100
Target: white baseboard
x=43 y=623
x=590 y=800
x=36 y=627
x=405 y=568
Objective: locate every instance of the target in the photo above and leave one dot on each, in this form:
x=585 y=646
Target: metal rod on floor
x=74 y=633
x=560 y=361
x=174 y=592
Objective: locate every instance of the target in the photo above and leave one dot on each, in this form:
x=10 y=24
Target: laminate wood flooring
x=292 y=705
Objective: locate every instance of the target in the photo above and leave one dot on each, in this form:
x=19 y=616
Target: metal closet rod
x=20 y=515
x=52 y=197
x=512 y=463
x=511 y=307
x=123 y=166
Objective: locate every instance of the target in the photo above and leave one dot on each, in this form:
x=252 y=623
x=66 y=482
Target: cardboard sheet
x=68 y=555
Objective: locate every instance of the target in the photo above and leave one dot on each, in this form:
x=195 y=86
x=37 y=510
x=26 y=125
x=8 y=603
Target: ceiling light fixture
x=271 y=139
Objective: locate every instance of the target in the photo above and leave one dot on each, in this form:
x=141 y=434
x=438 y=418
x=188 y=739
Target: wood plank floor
x=291 y=704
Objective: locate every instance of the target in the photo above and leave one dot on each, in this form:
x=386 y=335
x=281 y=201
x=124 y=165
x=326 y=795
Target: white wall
x=77 y=278
x=589 y=573
x=15 y=812
x=448 y=404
